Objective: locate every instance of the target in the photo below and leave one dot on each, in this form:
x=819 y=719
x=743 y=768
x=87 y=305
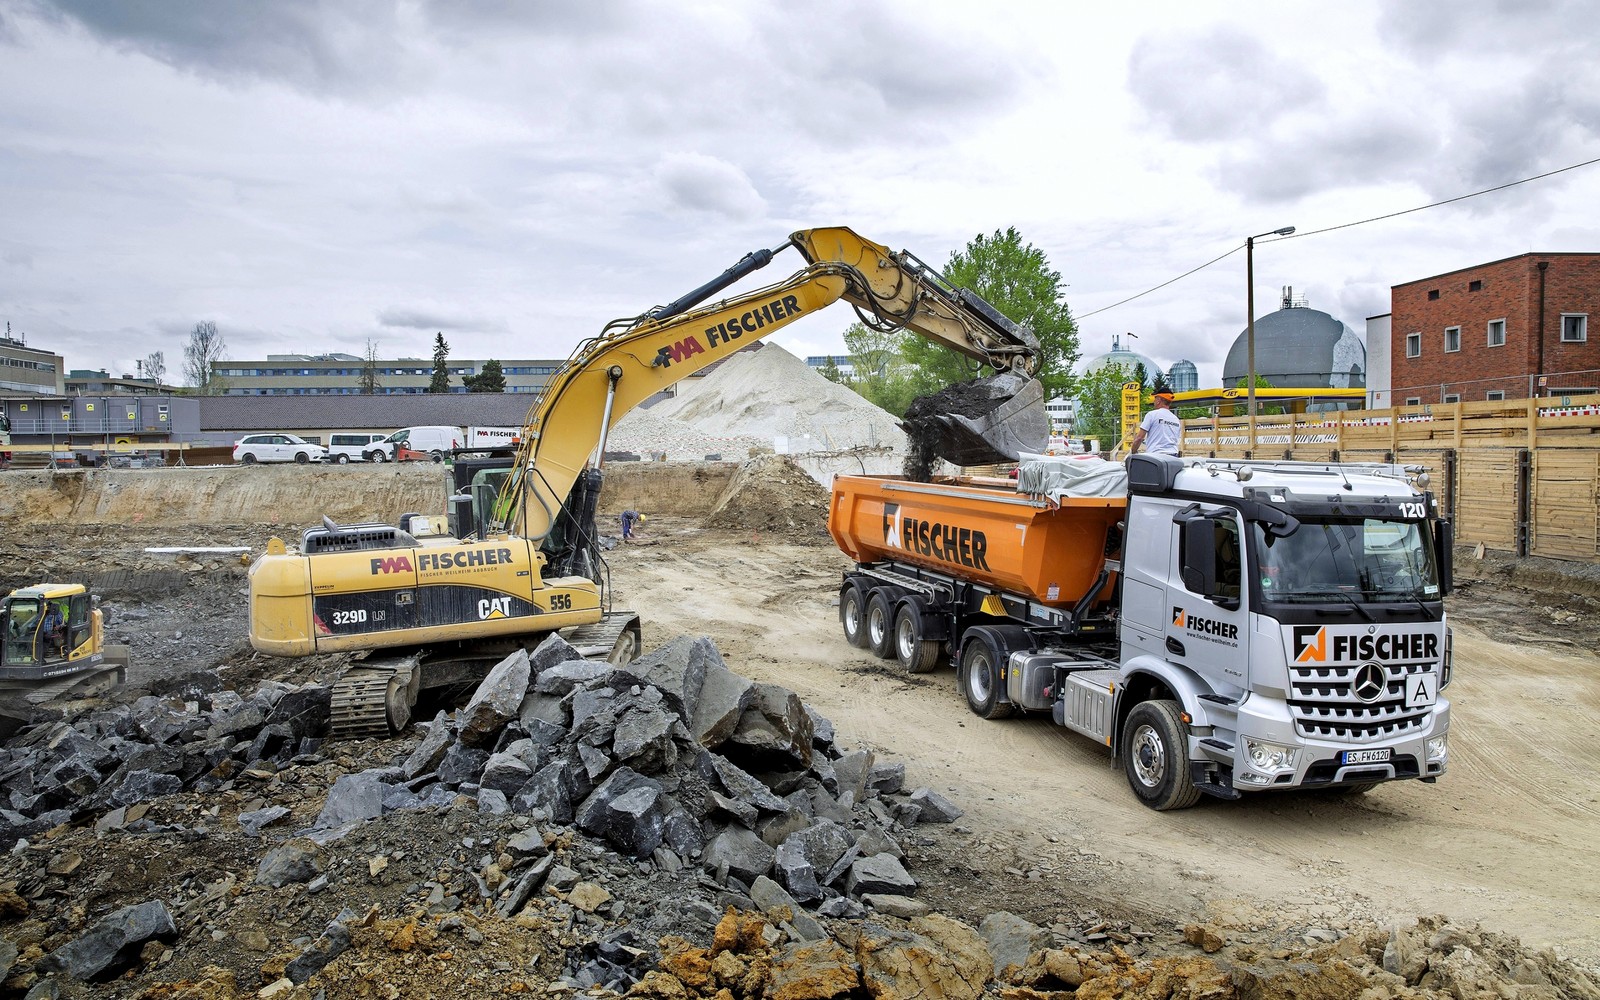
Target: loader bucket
x=982 y=422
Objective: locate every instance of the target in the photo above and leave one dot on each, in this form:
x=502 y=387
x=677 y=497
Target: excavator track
x=615 y=638
x=374 y=698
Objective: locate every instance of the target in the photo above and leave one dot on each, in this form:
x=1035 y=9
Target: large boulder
x=938 y=959
x=628 y=810
x=353 y=797
x=1011 y=940
x=724 y=697
x=775 y=729
x=113 y=944
x=740 y=853
x=496 y=701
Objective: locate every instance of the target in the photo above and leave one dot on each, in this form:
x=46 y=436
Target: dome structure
x=1298 y=347
x=1128 y=359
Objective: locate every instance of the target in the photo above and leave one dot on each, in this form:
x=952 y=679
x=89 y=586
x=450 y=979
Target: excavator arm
x=555 y=477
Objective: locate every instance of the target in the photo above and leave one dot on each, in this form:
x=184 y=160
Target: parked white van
x=432 y=442
x=344 y=448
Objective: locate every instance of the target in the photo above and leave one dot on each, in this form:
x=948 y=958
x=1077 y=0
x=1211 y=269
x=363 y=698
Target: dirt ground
x=1051 y=830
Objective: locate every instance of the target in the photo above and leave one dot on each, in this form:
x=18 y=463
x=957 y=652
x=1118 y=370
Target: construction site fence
x=1518 y=476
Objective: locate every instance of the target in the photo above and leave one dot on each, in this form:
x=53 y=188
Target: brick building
x=1509 y=329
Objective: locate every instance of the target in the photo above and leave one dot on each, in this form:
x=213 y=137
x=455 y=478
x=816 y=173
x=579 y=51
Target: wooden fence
x=1520 y=476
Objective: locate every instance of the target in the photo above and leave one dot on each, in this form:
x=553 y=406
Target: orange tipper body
x=979 y=531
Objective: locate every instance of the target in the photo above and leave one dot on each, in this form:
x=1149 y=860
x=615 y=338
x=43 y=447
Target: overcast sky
x=310 y=175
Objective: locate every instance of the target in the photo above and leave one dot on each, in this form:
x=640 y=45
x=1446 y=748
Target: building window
x=1452 y=397
x=1452 y=339
x=1413 y=400
x=1414 y=345
x=1474 y=286
x=1574 y=328
x=1497 y=333
x=1495 y=394
x=1433 y=294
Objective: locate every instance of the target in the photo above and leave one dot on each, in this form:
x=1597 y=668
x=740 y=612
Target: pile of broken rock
x=705 y=790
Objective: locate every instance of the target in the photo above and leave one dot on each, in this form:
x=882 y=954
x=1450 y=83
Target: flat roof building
x=340 y=375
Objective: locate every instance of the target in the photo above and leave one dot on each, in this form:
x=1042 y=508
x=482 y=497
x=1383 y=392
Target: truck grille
x=1326 y=708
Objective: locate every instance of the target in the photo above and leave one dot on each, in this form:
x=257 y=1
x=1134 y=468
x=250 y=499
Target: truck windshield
x=1375 y=560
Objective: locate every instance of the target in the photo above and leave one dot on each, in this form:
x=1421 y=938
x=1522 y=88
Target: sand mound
x=765 y=399
x=773 y=495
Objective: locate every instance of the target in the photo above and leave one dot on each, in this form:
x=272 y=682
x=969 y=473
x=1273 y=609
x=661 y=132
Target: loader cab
x=45 y=627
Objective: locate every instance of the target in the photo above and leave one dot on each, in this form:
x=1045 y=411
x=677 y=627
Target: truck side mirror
x=1200 y=555
x=1444 y=554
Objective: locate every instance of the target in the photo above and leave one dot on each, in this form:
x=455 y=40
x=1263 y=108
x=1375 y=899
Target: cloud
x=707 y=184
x=413 y=318
x=1219 y=85
x=351 y=45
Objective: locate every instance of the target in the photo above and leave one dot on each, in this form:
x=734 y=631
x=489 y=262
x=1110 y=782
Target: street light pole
x=1250 y=327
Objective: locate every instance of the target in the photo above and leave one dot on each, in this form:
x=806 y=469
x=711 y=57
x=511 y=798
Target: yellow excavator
x=518 y=556
x=52 y=648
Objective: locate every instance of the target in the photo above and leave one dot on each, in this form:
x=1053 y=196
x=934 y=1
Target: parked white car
x=362 y=447
x=277 y=448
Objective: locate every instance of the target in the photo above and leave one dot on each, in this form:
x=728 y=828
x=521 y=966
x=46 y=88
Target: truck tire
x=880 y=621
x=853 y=613
x=983 y=653
x=1155 y=756
x=915 y=653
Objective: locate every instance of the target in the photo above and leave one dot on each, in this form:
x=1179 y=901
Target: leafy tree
x=1098 y=404
x=491 y=379
x=882 y=376
x=205 y=348
x=1261 y=408
x=1017 y=279
x=441 y=370
x=155 y=366
x=831 y=371
x=368 y=379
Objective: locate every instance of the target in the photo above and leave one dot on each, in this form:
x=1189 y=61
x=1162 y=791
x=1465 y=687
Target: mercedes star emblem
x=1369 y=683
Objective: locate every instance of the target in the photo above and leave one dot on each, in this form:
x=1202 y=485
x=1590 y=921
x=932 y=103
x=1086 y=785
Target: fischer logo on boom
x=750 y=321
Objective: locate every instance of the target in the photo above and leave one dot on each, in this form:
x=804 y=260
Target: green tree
x=367 y=381
x=491 y=379
x=1261 y=408
x=831 y=371
x=882 y=376
x=1160 y=384
x=1097 y=399
x=1017 y=279
x=441 y=370
x=1140 y=375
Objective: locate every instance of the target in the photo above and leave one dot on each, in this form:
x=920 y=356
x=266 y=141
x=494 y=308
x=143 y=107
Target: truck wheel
x=880 y=621
x=916 y=654
x=853 y=613
x=1155 y=756
x=981 y=657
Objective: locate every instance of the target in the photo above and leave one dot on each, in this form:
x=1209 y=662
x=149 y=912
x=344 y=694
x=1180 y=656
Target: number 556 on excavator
x=524 y=558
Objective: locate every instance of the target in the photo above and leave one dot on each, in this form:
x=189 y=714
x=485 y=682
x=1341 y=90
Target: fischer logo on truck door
x=1209 y=628
x=945 y=542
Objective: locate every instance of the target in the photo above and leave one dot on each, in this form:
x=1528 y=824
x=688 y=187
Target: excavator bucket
x=982 y=422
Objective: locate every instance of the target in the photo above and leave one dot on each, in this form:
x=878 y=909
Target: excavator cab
x=50 y=644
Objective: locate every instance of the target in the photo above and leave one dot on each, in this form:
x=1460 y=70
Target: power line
x=1347 y=225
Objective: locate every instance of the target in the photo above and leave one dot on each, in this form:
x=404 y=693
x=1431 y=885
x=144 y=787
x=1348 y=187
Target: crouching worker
x=631 y=519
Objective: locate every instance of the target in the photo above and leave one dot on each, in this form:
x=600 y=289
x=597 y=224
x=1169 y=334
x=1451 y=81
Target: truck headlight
x=1268 y=756
x=1437 y=748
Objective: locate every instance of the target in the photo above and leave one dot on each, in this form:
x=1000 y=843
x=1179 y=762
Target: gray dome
x=1128 y=359
x=1300 y=348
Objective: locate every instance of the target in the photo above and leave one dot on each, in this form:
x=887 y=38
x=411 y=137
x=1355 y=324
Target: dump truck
x=1220 y=627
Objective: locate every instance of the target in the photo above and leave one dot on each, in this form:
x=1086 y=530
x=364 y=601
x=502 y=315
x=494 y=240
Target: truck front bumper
x=1268 y=753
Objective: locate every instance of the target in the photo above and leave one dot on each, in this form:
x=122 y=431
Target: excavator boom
x=633 y=359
